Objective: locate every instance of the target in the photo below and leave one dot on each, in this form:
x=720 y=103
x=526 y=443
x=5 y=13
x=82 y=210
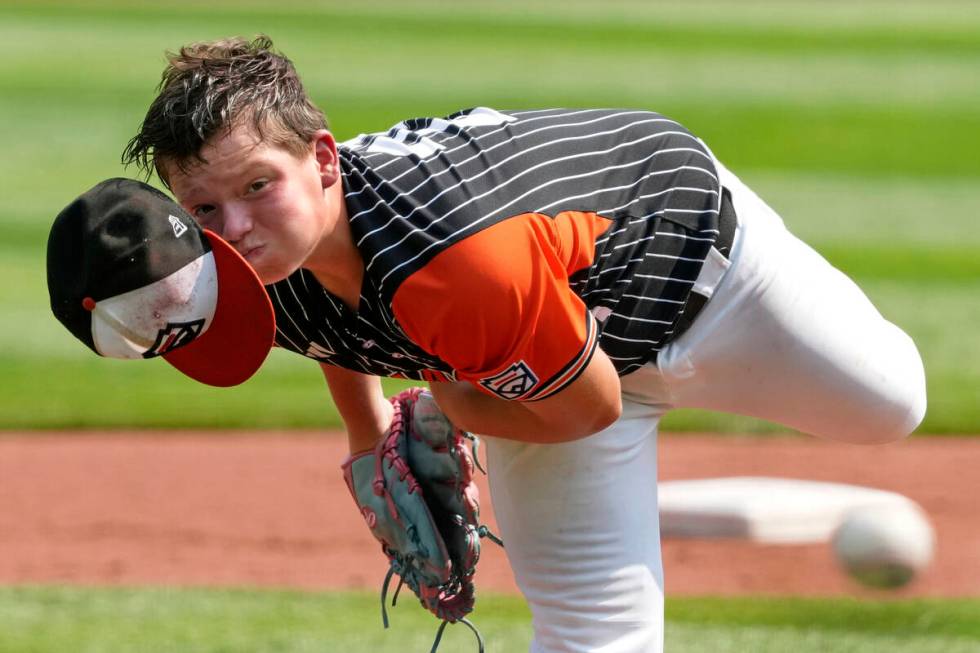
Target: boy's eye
x=201 y=212
x=257 y=185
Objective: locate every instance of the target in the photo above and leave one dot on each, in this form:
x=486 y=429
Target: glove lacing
x=442 y=627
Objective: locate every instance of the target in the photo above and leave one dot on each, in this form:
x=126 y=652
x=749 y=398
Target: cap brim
x=242 y=331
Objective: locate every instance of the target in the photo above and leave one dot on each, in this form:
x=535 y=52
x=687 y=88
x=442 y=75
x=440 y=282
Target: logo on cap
x=175 y=334
x=179 y=227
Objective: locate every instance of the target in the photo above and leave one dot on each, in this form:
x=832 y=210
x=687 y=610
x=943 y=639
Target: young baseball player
x=561 y=278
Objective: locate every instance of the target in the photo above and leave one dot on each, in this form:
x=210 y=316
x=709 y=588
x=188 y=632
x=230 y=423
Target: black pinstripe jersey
x=427 y=184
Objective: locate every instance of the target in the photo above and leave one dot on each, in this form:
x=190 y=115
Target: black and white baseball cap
x=133 y=276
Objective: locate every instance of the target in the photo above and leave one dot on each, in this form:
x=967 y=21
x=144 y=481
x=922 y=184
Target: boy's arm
x=591 y=403
x=362 y=405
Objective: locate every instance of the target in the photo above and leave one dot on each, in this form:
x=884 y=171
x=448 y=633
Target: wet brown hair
x=212 y=86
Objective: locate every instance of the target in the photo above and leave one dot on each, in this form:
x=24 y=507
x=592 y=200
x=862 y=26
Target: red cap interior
x=243 y=329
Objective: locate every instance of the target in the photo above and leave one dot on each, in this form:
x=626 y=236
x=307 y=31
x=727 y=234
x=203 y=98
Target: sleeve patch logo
x=175 y=334
x=513 y=383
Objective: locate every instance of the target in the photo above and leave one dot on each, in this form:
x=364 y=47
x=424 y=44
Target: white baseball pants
x=785 y=337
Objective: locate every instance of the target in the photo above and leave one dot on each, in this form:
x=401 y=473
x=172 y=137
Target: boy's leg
x=580 y=524
x=788 y=338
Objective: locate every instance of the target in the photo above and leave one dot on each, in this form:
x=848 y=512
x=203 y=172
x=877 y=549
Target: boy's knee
x=908 y=415
x=905 y=405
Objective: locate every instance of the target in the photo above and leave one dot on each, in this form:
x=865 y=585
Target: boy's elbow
x=607 y=414
x=590 y=418
x=592 y=402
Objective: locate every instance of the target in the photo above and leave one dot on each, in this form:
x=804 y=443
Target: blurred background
x=859 y=122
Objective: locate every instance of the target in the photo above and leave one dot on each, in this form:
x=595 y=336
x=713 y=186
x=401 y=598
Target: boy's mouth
x=253 y=252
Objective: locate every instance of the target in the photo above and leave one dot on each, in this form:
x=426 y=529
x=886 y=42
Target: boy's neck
x=336 y=262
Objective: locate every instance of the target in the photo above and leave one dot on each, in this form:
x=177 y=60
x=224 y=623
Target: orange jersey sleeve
x=497 y=306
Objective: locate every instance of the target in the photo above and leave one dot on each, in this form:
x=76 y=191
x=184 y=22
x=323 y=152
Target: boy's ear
x=325 y=152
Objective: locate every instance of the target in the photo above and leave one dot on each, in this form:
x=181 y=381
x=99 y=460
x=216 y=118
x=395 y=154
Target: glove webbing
x=442 y=627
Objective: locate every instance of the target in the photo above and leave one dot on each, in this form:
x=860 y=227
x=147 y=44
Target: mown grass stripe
x=908 y=263
x=466 y=26
x=960 y=618
x=57 y=619
x=871 y=141
x=876 y=142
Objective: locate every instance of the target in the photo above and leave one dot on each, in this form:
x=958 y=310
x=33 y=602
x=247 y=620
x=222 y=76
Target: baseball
x=885 y=546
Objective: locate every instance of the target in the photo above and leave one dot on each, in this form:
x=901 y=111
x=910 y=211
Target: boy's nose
x=237 y=223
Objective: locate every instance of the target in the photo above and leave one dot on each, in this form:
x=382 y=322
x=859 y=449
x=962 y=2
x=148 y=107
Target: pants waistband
x=700 y=294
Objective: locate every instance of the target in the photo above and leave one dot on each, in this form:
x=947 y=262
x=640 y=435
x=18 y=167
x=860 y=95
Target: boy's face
x=266 y=201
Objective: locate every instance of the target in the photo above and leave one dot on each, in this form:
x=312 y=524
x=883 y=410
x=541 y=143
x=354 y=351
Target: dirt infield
x=271 y=510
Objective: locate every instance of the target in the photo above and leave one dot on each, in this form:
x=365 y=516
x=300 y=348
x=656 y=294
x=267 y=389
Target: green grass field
x=860 y=124
x=56 y=620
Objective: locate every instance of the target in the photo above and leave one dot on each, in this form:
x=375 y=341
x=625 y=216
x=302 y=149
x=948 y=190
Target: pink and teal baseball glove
x=417 y=495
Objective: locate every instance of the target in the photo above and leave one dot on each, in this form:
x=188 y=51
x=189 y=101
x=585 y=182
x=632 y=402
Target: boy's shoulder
x=424 y=136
